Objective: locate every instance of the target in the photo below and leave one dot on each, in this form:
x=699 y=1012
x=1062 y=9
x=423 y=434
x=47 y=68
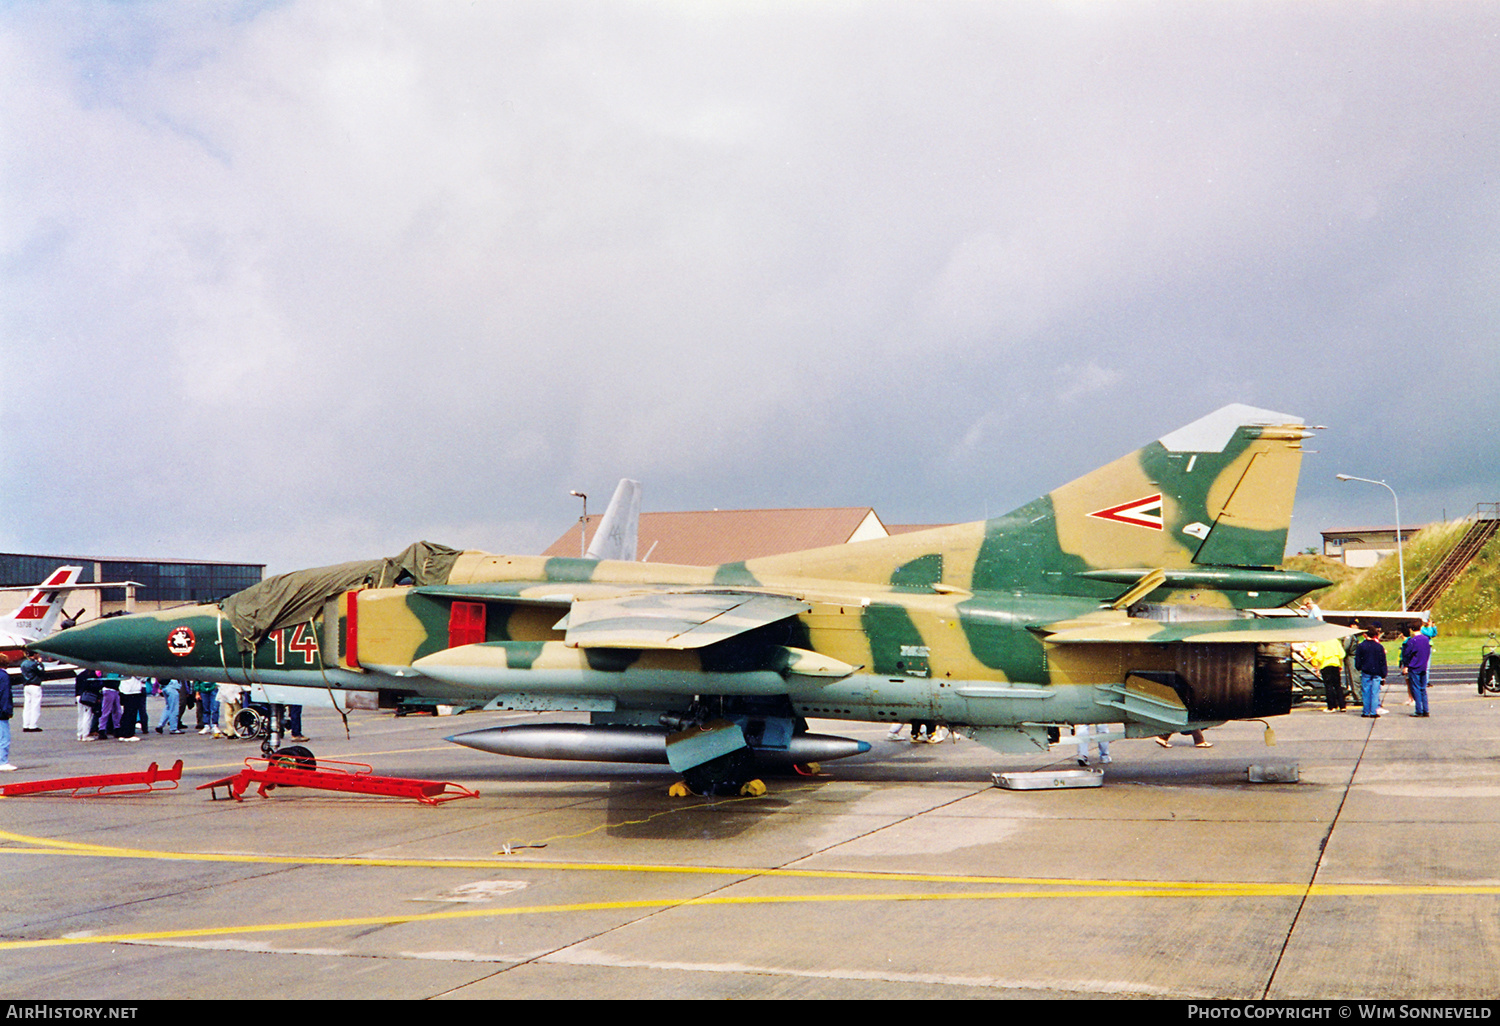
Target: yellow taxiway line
x=50 y=846
x=1032 y=888
x=1169 y=891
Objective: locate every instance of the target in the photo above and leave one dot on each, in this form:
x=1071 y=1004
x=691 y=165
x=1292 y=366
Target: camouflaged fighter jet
x=1121 y=598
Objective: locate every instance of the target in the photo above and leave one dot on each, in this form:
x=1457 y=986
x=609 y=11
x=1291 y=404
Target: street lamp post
x=583 y=525
x=1400 y=559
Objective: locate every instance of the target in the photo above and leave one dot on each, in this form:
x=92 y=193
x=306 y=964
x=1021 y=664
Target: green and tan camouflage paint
x=963 y=624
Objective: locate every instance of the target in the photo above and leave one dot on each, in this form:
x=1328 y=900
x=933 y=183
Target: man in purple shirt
x=1416 y=656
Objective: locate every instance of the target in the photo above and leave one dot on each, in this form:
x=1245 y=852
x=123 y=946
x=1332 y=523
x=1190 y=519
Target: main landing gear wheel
x=729 y=774
x=750 y=789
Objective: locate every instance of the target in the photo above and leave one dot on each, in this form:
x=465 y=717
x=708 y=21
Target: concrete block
x=1274 y=772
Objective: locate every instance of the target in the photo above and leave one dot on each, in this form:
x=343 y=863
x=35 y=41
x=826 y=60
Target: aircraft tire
x=722 y=776
x=294 y=757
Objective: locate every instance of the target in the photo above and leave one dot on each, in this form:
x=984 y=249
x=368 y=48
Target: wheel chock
x=754 y=789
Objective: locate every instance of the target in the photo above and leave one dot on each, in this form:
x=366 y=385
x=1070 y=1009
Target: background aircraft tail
x=619 y=528
x=39 y=614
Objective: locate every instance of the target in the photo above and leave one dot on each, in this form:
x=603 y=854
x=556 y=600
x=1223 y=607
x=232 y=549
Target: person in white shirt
x=133 y=699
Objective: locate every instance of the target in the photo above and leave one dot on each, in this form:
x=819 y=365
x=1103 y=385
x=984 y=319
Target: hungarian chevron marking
x=1137 y=513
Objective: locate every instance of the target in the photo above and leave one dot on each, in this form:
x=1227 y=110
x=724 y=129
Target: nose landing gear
x=266 y=722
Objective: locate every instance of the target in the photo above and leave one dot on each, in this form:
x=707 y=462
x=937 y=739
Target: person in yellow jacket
x=1327 y=657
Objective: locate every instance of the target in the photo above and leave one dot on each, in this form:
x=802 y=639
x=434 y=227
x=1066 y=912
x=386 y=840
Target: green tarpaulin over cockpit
x=296 y=597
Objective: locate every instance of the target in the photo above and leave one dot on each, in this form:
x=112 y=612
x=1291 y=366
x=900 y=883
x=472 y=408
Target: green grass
x=1447 y=650
x=1466 y=613
x=1456 y=649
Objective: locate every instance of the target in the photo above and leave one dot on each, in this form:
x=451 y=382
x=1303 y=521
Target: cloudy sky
x=300 y=282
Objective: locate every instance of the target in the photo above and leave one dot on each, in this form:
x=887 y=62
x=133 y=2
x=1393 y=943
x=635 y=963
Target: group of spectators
x=1415 y=660
x=112 y=706
x=1365 y=659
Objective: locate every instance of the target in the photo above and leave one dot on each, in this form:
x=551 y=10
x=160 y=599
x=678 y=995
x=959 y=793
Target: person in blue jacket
x=1369 y=660
x=7 y=710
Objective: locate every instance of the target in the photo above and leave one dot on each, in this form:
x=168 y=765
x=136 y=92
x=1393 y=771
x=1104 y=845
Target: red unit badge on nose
x=181 y=641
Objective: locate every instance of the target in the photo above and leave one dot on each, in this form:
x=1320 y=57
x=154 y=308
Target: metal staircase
x=1486 y=522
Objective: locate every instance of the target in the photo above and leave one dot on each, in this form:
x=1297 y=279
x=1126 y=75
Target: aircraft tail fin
x=39 y=614
x=1214 y=494
x=1217 y=492
x=619 y=528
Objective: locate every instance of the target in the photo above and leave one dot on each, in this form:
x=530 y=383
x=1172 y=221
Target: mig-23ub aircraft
x=1118 y=598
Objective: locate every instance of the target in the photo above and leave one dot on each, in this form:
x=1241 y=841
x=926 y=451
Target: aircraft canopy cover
x=296 y=597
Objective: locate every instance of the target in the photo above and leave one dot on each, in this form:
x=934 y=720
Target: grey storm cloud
x=299 y=282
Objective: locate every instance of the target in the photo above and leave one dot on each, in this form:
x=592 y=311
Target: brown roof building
x=1364 y=546
x=711 y=537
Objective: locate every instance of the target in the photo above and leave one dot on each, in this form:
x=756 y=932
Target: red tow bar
x=104 y=785
x=350 y=777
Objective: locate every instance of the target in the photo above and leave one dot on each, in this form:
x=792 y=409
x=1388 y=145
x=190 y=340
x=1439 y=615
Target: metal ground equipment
x=289 y=769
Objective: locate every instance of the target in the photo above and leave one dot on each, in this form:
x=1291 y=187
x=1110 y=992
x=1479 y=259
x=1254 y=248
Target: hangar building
x=159 y=583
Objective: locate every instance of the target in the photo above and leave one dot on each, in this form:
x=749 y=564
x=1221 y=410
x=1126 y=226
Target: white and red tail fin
x=38 y=615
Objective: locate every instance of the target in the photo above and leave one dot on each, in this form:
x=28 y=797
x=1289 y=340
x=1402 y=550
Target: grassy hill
x=1471 y=606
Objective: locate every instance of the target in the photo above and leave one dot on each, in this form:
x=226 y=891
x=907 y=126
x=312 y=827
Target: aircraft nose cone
x=117 y=641
x=81 y=645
